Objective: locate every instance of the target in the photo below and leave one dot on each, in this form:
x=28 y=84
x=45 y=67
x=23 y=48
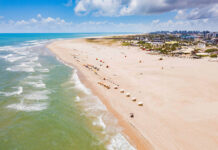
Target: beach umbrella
x=115 y=87
x=133 y=99
x=140 y=103
x=122 y=91
x=127 y=94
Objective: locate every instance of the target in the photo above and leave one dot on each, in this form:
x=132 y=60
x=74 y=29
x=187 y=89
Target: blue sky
x=107 y=15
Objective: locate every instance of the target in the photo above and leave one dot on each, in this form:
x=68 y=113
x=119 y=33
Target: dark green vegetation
x=211 y=50
x=213 y=55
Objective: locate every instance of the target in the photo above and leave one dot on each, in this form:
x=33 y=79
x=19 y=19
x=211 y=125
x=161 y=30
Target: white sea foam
x=99 y=122
x=107 y=122
x=95 y=108
x=20 y=69
x=6 y=48
x=37 y=95
x=35 y=64
x=38 y=43
x=39 y=77
x=94 y=104
x=30 y=64
x=13 y=59
x=32 y=41
x=35 y=42
x=14 y=49
x=119 y=142
x=37 y=84
x=44 y=70
x=26 y=44
x=17 y=92
x=22 y=52
x=6 y=56
x=28 y=107
x=2 y=49
x=77 y=99
x=38 y=65
x=78 y=83
x=32 y=58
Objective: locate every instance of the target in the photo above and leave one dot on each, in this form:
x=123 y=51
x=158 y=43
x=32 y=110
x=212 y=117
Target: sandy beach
x=179 y=97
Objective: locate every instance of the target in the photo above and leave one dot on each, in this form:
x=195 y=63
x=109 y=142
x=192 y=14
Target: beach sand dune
x=179 y=96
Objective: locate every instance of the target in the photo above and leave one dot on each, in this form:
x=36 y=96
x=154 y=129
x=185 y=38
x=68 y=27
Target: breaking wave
x=37 y=95
x=17 y=92
x=37 y=84
x=28 y=107
x=78 y=83
x=102 y=119
x=25 y=58
x=20 y=69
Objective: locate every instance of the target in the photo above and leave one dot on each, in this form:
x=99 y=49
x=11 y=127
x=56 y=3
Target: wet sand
x=179 y=96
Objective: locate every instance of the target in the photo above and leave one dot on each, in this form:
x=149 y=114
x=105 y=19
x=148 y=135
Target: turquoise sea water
x=44 y=106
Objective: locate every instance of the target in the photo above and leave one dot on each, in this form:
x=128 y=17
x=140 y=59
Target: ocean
x=43 y=104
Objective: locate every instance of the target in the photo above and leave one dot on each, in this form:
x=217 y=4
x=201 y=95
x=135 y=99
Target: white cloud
x=69 y=3
x=22 y=22
x=49 y=24
x=181 y=14
x=40 y=20
x=205 y=20
x=209 y=11
x=48 y=20
x=143 y=7
x=200 y=24
x=10 y=22
x=37 y=24
x=98 y=7
x=136 y=7
x=33 y=20
x=155 y=21
x=1 y=17
x=39 y=16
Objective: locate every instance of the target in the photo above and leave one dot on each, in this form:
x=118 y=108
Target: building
x=157 y=44
x=201 y=46
x=198 y=38
x=215 y=35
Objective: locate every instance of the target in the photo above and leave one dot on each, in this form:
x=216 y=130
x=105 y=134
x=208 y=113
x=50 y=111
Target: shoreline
x=171 y=91
x=129 y=131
